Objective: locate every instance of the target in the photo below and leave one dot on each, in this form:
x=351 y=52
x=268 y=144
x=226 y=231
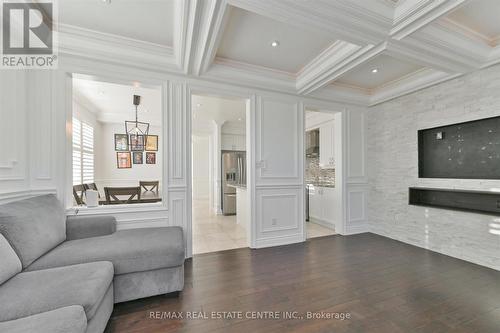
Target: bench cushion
x=10 y=264
x=134 y=250
x=33 y=226
x=70 y=319
x=29 y=293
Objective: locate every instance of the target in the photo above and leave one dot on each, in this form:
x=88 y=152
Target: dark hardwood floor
x=383 y=285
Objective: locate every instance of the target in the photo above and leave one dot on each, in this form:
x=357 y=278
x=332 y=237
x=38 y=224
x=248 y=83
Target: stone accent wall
x=392 y=163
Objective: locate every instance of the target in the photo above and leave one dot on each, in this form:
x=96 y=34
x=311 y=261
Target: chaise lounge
x=63 y=274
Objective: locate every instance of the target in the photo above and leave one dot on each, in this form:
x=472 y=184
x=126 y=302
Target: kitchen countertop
x=238 y=186
x=321 y=184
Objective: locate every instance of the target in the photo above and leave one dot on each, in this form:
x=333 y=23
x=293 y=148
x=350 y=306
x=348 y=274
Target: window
x=83 y=152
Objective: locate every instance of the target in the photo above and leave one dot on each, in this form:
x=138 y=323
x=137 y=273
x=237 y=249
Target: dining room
x=116 y=144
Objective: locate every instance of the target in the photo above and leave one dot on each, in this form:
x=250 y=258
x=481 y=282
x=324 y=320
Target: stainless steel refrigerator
x=233 y=173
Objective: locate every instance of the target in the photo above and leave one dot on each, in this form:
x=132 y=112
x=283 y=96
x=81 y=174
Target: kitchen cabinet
x=326 y=145
x=233 y=142
x=321 y=205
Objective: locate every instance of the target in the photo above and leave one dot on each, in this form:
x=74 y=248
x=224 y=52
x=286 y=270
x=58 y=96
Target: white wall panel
x=278 y=138
x=279 y=190
x=13 y=131
x=357 y=181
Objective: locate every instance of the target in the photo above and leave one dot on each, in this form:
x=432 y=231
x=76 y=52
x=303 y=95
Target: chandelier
x=136 y=127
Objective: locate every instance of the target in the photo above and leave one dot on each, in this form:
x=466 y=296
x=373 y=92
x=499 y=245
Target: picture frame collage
x=130 y=149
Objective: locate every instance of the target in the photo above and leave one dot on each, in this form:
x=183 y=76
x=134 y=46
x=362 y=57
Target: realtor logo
x=28 y=34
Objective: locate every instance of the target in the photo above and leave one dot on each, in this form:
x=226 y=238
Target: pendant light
x=136 y=127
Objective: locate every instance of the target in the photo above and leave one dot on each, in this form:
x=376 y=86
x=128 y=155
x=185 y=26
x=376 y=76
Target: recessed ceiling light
x=198 y=105
x=106 y=1
x=239 y=119
x=375 y=70
x=275 y=43
x=101 y=92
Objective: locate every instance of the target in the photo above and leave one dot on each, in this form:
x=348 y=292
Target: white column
x=177 y=107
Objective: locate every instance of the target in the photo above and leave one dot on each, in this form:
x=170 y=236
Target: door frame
x=340 y=168
x=218 y=91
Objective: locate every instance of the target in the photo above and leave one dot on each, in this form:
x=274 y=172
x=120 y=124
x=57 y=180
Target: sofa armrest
x=89 y=226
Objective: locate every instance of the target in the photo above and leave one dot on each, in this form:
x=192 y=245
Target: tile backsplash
x=315 y=175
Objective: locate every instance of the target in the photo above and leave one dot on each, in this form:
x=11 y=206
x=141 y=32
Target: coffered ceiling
x=377 y=72
x=480 y=18
x=247 y=38
x=147 y=20
x=326 y=49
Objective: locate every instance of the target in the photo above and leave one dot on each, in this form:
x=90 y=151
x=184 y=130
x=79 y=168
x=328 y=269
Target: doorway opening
x=219 y=173
x=322 y=173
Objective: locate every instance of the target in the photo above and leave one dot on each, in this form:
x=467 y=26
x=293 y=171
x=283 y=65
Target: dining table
x=146 y=197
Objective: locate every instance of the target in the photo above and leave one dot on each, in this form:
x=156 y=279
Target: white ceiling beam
x=410 y=83
x=184 y=25
x=412 y=15
x=357 y=21
x=439 y=47
x=199 y=28
x=334 y=62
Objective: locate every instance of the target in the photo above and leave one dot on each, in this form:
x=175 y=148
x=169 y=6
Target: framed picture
x=136 y=142
x=150 y=158
x=137 y=157
x=123 y=160
x=121 y=142
x=152 y=142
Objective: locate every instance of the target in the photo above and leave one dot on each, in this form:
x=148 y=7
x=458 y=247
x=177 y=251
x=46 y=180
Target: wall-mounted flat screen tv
x=469 y=150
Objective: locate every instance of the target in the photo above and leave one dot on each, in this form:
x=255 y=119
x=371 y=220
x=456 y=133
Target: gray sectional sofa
x=63 y=274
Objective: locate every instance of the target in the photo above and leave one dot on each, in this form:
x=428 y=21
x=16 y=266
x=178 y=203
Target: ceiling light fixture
x=375 y=70
x=275 y=43
x=106 y=1
x=135 y=127
x=198 y=105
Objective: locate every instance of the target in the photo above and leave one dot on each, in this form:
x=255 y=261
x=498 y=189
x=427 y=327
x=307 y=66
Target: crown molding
x=100 y=46
x=320 y=71
x=357 y=21
x=412 y=15
x=332 y=65
x=226 y=70
x=468 y=32
x=410 y=83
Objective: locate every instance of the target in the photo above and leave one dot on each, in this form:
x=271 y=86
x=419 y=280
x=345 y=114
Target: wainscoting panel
x=278 y=141
x=13 y=131
x=280 y=215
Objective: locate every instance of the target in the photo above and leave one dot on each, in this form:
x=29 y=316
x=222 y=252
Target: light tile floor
x=316 y=230
x=213 y=232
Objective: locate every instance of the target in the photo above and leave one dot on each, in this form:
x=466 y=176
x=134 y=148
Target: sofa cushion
x=133 y=250
x=10 y=264
x=29 y=293
x=70 y=319
x=33 y=226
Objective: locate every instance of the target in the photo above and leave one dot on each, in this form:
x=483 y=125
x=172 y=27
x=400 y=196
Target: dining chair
x=150 y=186
x=112 y=194
x=78 y=194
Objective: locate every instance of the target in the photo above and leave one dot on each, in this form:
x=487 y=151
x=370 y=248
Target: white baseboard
x=357 y=228
x=276 y=241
